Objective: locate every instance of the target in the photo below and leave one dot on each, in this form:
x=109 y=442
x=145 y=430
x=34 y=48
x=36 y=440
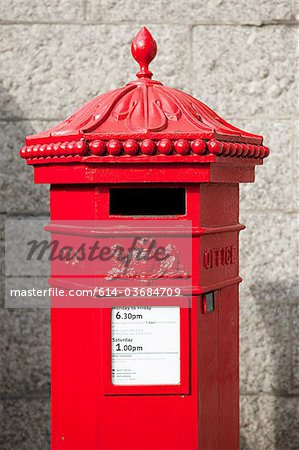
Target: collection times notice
x=146 y=345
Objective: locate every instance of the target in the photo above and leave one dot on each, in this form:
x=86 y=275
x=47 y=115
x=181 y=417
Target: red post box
x=147 y=150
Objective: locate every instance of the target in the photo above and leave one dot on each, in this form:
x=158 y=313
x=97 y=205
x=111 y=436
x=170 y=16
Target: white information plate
x=146 y=345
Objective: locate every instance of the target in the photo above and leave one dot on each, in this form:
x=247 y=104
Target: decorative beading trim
x=148 y=147
x=74 y=148
x=237 y=149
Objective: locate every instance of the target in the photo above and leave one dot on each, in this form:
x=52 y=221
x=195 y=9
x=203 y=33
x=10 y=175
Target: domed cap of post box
x=144 y=120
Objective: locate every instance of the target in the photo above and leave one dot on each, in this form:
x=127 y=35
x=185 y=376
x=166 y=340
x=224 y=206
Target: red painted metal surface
x=146 y=134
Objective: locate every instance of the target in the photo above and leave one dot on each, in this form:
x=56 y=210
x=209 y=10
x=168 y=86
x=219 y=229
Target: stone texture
x=20 y=232
x=269 y=257
x=15 y=300
x=265 y=353
x=17 y=190
x=273 y=183
x=194 y=11
x=295 y=347
x=244 y=71
x=12 y=263
x=295 y=159
x=269 y=423
x=25 y=424
x=25 y=352
x=42 y=11
x=63 y=72
x=2 y=226
x=2 y=259
x=2 y=270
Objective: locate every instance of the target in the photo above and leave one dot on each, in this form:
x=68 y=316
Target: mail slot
x=148 y=374
x=142 y=201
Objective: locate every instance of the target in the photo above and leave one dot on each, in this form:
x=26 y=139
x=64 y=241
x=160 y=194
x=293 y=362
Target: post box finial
x=144 y=49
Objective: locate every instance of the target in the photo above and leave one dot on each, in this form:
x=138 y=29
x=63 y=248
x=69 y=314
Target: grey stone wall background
x=238 y=56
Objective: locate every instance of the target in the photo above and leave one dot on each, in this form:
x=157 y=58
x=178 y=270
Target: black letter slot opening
x=147 y=201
